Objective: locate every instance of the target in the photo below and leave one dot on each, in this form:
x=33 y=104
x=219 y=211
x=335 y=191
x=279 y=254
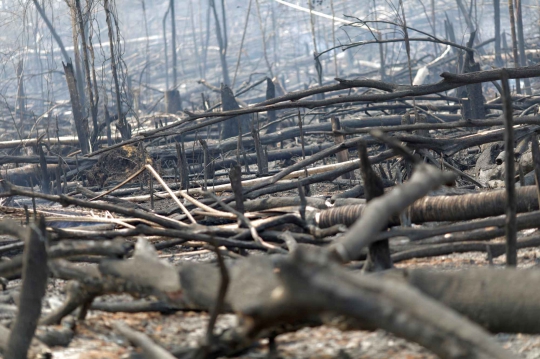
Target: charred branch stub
x=232 y=127
x=378 y=252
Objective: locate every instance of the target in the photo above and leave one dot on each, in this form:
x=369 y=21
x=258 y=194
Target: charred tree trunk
x=379 y=252
x=21 y=97
x=76 y=53
x=443 y=208
x=521 y=42
x=173 y=101
x=222 y=41
x=497 y=21
x=81 y=123
x=93 y=104
x=514 y=40
x=123 y=126
x=230 y=127
x=173 y=44
x=270 y=94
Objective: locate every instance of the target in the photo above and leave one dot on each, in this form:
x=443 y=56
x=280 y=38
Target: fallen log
x=442 y=208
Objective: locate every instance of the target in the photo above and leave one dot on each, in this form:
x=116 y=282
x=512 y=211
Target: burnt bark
x=81 y=123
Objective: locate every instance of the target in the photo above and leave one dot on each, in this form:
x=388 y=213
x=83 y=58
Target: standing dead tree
x=123 y=126
x=93 y=102
x=222 y=39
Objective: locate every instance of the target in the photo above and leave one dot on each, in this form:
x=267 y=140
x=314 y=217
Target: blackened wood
x=497 y=20
x=81 y=124
x=501 y=300
x=93 y=104
x=303 y=201
x=152 y=193
x=67 y=200
x=173 y=45
x=307 y=190
x=443 y=208
x=235 y=176
x=521 y=43
x=173 y=101
x=34 y=284
x=251 y=158
x=342 y=156
x=182 y=166
x=476 y=97
x=320 y=177
x=514 y=39
x=21 y=102
x=219 y=303
x=108 y=126
x=123 y=126
x=270 y=94
x=58 y=179
x=510 y=173
x=378 y=252
x=208 y=163
x=536 y=160
x=222 y=40
x=262 y=158
x=230 y=128
x=45 y=178
x=420 y=118
x=496 y=249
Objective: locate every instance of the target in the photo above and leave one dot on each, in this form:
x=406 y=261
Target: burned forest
x=269 y=179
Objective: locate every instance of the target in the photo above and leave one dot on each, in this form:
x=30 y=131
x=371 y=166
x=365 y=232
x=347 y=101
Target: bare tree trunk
x=270 y=94
x=194 y=35
x=75 y=35
x=164 y=24
x=241 y=44
x=52 y=30
x=237 y=125
x=173 y=101
x=381 y=45
x=37 y=49
x=173 y=44
x=122 y=124
x=466 y=16
x=81 y=124
x=433 y=17
x=514 y=40
x=147 y=49
x=93 y=105
x=315 y=50
x=95 y=132
x=497 y=20
x=334 y=37
x=222 y=42
x=205 y=47
x=510 y=174
x=263 y=34
x=21 y=97
x=521 y=38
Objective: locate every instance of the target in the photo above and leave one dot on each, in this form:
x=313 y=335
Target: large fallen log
x=499 y=300
x=442 y=208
